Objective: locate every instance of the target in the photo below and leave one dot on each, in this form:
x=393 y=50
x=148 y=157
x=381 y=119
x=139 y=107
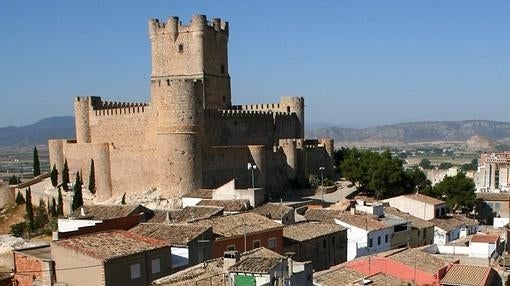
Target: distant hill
x=61 y=127
x=416 y=132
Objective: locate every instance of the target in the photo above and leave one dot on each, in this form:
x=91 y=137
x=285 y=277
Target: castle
x=189 y=135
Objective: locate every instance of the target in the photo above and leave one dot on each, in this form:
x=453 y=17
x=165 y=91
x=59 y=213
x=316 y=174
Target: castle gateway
x=189 y=135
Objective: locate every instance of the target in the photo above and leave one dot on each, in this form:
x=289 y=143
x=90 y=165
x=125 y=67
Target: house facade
x=419 y=205
x=323 y=244
x=111 y=258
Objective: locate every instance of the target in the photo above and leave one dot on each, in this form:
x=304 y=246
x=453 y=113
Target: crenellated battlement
x=266 y=106
x=102 y=105
x=135 y=109
x=174 y=26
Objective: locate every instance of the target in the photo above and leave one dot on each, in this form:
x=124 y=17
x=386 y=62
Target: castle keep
x=189 y=135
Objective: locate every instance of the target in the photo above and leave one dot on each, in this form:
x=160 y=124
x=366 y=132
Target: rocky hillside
x=38 y=133
x=415 y=132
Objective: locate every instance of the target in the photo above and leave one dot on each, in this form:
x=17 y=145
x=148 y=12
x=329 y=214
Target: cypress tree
x=53 y=208
x=54 y=176
x=20 y=199
x=78 y=196
x=92 y=178
x=49 y=208
x=60 y=205
x=65 y=176
x=37 y=164
x=29 y=207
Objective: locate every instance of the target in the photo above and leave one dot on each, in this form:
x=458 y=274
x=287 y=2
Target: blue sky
x=357 y=63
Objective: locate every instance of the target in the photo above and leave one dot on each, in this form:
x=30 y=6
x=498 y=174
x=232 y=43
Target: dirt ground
x=11 y=215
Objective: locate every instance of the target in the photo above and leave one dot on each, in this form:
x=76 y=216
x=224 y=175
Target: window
x=370 y=243
x=256 y=243
x=231 y=247
x=155 y=266
x=181 y=48
x=324 y=243
x=386 y=238
x=135 y=271
x=288 y=108
x=378 y=240
x=271 y=243
x=222 y=69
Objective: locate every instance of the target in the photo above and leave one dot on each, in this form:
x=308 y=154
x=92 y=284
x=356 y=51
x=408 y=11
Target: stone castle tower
x=189 y=135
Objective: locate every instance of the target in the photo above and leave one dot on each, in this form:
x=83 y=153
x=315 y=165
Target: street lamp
x=321 y=169
x=252 y=167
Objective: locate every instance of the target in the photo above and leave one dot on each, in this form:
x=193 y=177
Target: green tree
x=458 y=191
x=378 y=174
x=19 y=229
x=473 y=166
x=78 y=196
x=419 y=181
x=445 y=165
x=14 y=180
x=65 y=176
x=28 y=207
x=92 y=178
x=41 y=215
x=425 y=164
x=54 y=176
x=20 y=199
x=37 y=164
x=53 y=208
x=60 y=203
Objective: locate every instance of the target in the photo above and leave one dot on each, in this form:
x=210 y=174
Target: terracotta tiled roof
x=174 y=234
x=466 y=275
x=447 y=223
x=487 y=238
x=111 y=244
x=415 y=257
x=204 y=274
x=228 y=205
x=200 y=193
x=415 y=221
x=309 y=230
x=466 y=220
x=238 y=224
x=425 y=199
x=337 y=276
x=363 y=221
x=212 y=273
x=493 y=196
x=256 y=264
x=322 y=215
x=187 y=214
x=103 y=212
x=273 y=211
x=344 y=276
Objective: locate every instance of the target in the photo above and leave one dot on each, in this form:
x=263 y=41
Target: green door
x=242 y=280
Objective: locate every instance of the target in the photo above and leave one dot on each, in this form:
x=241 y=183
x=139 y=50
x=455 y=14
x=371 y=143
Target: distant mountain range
x=417 y=132
x=470 y=131
x=61 y=127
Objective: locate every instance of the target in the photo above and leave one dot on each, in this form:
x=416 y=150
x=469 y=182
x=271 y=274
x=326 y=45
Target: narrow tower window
x=181 y=48
x=222 y=69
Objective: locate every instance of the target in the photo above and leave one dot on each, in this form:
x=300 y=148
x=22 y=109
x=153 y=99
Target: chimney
x=230 y=258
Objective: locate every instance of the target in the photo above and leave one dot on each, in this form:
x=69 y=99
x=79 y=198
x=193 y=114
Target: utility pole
x=252 y=167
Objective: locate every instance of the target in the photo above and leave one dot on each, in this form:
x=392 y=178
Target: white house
x=365 y=234
x=419 y=205
x=483 y=245
x=451 y=228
